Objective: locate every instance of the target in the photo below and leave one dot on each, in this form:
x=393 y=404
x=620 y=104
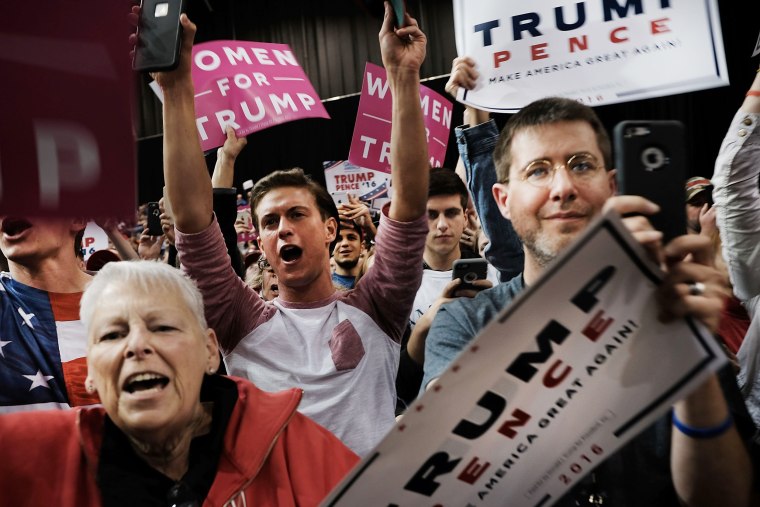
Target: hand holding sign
x=463 y=74
x=232 y=146
x=354 y=210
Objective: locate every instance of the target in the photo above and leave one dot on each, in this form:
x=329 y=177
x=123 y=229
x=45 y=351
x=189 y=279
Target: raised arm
x=403 y=51
x=476 y=141
x=187 y=181
x=122 y=244
x=224 y=169
x=709 y=462
x=737 y=197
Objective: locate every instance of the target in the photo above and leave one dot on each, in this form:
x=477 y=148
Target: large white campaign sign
x=541 y=397
x=597 y=52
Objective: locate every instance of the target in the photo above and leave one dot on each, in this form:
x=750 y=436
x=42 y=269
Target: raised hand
x=463 y=75
x=403 y=49
x=168 y=79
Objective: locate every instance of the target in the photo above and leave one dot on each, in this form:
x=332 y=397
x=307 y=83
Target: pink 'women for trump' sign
x=249 y=86
x=371 y=143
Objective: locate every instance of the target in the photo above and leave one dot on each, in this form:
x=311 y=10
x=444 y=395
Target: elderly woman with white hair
x=169 y=431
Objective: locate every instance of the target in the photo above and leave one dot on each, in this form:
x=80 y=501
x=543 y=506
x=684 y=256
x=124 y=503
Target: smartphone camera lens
x=654 y=158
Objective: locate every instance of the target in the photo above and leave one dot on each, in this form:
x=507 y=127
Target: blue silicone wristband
x=701 y=433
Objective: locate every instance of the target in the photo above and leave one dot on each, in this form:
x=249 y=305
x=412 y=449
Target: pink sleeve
x=386 y=293
x=232 y=308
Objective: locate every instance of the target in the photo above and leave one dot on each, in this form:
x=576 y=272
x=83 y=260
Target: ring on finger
x=696 y=288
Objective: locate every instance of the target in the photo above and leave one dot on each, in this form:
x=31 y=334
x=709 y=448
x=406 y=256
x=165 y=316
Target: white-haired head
x=146 y=276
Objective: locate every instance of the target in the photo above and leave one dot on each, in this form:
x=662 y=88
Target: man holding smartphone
x=441 y=282
x=446 y=205
x=340 y=347
x=550 y=198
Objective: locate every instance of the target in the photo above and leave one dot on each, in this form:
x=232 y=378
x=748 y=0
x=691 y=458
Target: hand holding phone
x=399 y=8
x=469 y=270
x=154 y=219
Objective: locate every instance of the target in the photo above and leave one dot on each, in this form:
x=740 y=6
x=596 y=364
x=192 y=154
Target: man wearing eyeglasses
x=550 y=174
x=552 y=179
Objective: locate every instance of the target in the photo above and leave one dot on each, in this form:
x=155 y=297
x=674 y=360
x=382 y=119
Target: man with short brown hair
x=340 y=347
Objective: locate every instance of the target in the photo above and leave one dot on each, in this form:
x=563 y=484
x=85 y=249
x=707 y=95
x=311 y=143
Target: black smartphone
x=650 y=157
x=154 y=219
x=469 y=270
x=159 y=35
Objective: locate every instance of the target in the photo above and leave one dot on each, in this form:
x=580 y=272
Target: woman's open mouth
x=143 y=382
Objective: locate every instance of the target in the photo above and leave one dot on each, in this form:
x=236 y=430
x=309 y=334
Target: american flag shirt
x=42 y=349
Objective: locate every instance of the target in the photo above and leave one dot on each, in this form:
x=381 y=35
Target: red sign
x=371 y=143
x=66 y=142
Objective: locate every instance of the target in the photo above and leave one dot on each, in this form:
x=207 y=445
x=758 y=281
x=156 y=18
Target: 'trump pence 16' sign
x=371 y=143
x=66 y=144
x=249 y=86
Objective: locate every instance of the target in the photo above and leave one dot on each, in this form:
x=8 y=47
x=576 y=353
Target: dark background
x=333 y=40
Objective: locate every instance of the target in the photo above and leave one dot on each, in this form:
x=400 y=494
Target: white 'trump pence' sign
x=540 y=398
x=597 y=52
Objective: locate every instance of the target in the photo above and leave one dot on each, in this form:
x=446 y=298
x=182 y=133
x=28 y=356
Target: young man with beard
x=347 y=254
x=554 y=175
x=340 y=347
x=42 y=341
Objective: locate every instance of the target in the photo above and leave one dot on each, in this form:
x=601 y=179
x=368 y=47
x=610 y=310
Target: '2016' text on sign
x=248 y=86
x=371 y=142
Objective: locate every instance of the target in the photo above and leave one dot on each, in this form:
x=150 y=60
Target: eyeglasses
x=263 y=263
x=580 y=167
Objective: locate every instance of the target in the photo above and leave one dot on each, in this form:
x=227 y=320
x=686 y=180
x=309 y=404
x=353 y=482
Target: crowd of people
x=217 y=370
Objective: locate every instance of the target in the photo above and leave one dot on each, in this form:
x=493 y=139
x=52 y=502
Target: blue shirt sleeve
x=446 y=339
x=476 y=146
